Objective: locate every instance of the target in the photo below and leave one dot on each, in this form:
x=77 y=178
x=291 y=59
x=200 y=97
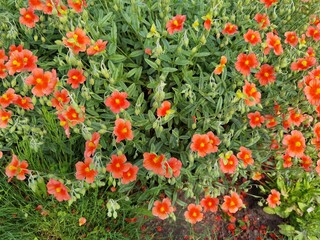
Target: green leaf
x=269 y=210
x=151 y=64
x=117 y=58
x=202 y=54
x=169 y=69
x=136 y=53
x=287 y=230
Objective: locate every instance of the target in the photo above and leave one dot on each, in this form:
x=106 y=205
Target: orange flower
x=268 y=3
x=316 y=130
x=232 y=203
x=262 y=20
x=74 y=116
x=4 y=118
x=312 y=92
x=84 y=171
x=75 y=77
x=318 y=167
x=117 y=101
x=97 y=47
x=176 y=24
x=77 y=41
x=214 y=141
x=295 y=117
x=246 y=62
x=129 y=175
x=273 y=41
x=29 y=60
x=3 y=70
x=154 y=163
x=24 y=102
x=252 y=37
x=271 y=121
x=266 y=75
x=287 y=160
x=302 y=64
x=77 y=5
x=117 y=166
x=273 y=198
x=218 y=70
x=43 y=82
x=162 y=209
x=3 y=56
x=201 y=144
x=207 y=22
x=255 y=119
x=64 y=123
x=209 y=204
x=82 y=221
x=295 y=144
x=229 y=164
x=92 y=144
x=122 y=130
x=257 y=176
x=193 y=214
x=172 y=167
x=230 y=29
x=15 y=63
x=28 y=17
x=57 y=189
x=50 y=5
x=252 y=95
x=311 y=52
x=17 y=168
x=314 y=33
x=14 y=48
x=8 y=97
x=36 y=4
x=61 y=98
x=246 y=156
x=291 y=38
x=164 y=109
x=306 y=163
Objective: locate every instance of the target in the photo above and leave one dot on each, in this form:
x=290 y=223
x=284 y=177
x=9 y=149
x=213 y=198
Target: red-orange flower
x=75 y=77
x=162 y=209
x=65 y=124
x=117 y=166
x=316 y=130
x=266 y=75
x=3 y=70
x=176 y=24
x=92 y=144
x=8 y=97
x=232 y=203
x=209 y=204
x=271 y=121
x=24 y=102
x=268 y=3
x=77 y=40
x=129 y=175
x=314 y=33
x=291 y=38
x=262 y=20
x=4 y=118
x=77 y=5
x=207 y=22
x=154 y=163
x=164 y=109
x=246 y=62
x=117 y=101
x=311 y=52
x=273 y=198
x=228 y=164
x=29 y=60
x=36 y=4
x=252 y=37
x=97 y=47
x=43 y=82
x=85 y=170
x=58 y=189
x=302 y=63
x=201 y=144
x=122 y=130
x=255 y=119
x=306 y=163
x=218 y=70
x=61 y=98
x=49 y=6
x=318 y=167
x=214 y=141
x=295 y=143
x=15 y=63
x=252 y=95
x=295 y=117
x=230 y=29
x=74 y=116
x=287 y=160
x=172 y=167
x=194 y=213
x=245 y=155
x=28 y=17
x=17 y=168
x=273 y=41
x=312 y=92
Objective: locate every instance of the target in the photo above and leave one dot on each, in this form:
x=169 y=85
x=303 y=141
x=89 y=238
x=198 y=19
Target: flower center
x=175 y=22
x=277 y=42
x=58 y=189
x=117 y=165
x=91 y=144
x=246 y=62
x=5 y=96
x=232 y=204
x=156 y=159
x=253 y=37
x=74 y=115
x=75 y=37
x=125 y=130
x=4 y=118
x=87 y=169
x=257 y=119
x=74 y=77
x=28 y=16
x=246 y=156
x=230 y=162
x=202 y=145
x=39 y=80
x=266 y=74
x=16 y=63
x=252 y=91
x=304 y=63
x=162 y=209
x=23 y=101
x=128 y=174
x=298 y=144
x=12 y=168
x=209 y=204
x=117 y=101
x=194 y=214
x=318 y=91
x=96 y=47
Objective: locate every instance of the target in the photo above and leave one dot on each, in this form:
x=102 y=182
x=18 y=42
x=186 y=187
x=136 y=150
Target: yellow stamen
x=304 y=63
x=125 y=130
x=175 y=22
x=58 y=189
x=298 y=144
x=117 y=101
x=87 y=169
